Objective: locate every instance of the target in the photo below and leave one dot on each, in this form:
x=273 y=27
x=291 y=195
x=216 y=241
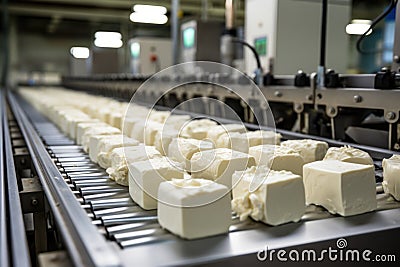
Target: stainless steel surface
x=85 y=246
x=18 y=248
x=4 y=256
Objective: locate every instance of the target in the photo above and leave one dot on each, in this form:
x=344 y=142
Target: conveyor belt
x=137 y=232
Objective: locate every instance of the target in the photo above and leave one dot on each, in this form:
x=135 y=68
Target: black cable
x=324 y=23
x=256 y=55
x=372 y=26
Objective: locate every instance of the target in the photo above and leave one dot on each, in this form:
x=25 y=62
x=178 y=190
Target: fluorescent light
x=108 y=43
x=358 y=27
x=79 y=52
x=108 y=35
x=148 y=18
x=149 y=9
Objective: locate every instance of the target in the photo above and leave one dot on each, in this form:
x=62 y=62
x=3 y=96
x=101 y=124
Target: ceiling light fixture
x=80 y=52
x=150 y=9
x=359 y=27
x=108 y=39
x=140 y=17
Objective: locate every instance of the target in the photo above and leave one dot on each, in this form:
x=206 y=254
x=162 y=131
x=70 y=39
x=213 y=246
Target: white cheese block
x=234 y=141
x=81 y=127
x=219 y=164
x=194 y=208
x=115 y=119
x=278 y=199
x=94 y=145
x=97 y=130
x=138 y=131
x=349 y=154
x=261 y=137
x=150 y=131
x=159 y=116
x=73 y=126
x=128 y=125
x=122 y=156
x=197 y=129
x=216 y=131
x=176 y=121
x=182 y=149
x=106 y=145
x=310 y=150
x=146 y=176
x=164 y=138
x=391 y=176
x=340 y=187
x=278 y=158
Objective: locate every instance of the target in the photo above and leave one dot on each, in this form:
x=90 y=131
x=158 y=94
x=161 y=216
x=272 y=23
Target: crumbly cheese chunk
x=97 y=130
x=278 y=196
x=182 y=149
x=150 y=131
x=176 y=121
x=122 y=156
x=216 y=131
x=163 y=138
x=234 y=141
x=194 y=208
x=73 y=125
x=94 y=144
x=391 y=176
x=310 y=150
x=106 y=145
x=340 y=187
x=261 y=137
x=82 y=127
x=146 y=176
x=159 y=116
x=219 y=164
x=278 y=158
x=197 y=129
x=349 y=154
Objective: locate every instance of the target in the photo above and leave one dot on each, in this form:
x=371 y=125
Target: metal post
x=204 y=10
x=174 y=30
x=396 y=45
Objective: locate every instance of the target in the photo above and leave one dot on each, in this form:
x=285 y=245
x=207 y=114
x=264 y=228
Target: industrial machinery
x=75 y=209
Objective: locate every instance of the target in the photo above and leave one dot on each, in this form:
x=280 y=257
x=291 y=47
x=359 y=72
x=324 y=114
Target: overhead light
x=359 y=27
x=79 y=52
x=107 y=35
x=108 y=43
x=108 y=39
x=142 y=17
x=135 y=50
x=150 y=9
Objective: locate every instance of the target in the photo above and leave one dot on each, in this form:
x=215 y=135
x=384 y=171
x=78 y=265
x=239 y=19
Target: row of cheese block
x=207 y=164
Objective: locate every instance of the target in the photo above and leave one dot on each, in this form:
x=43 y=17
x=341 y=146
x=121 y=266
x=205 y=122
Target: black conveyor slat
x=82 y=240
x=17 y=238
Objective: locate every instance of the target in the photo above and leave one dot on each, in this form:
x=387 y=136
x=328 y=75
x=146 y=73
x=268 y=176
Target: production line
x=201 y=164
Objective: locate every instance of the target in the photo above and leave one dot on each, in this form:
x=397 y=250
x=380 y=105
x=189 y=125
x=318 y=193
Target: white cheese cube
x=150 y=131
x=310 y=150
x=194 y=208
x=73 y=126
x=94 y=145
x=81 y=127
x=349 y=154
x=197 y=129
x=146 y=176
x=138 y=131
x=182 y=149
x=219 y=164
x=340 y=187
x=391 y=176
x=97 y=130
x=164 y=138
x=106 y=145
x=234 y=141
x=128 y=125
x=216 y=131
x=261 y=137
x=279 y=196
x=115 y=119
x=176 y=121
x=122 y=156
x=159 y=116
x=278 y=158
